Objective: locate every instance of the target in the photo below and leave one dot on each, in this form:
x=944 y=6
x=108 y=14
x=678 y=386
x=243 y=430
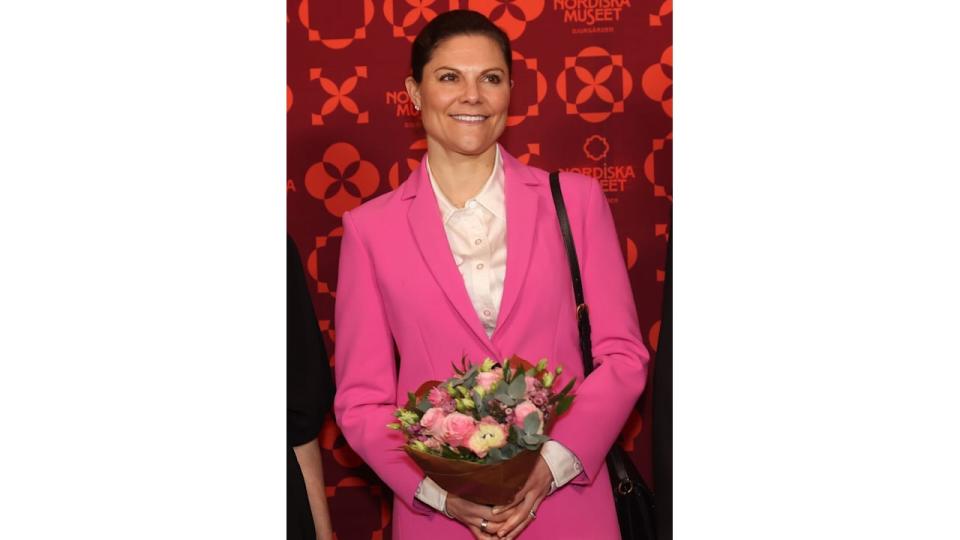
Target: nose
x=471 y=92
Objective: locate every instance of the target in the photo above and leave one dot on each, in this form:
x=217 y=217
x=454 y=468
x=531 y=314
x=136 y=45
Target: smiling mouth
x=469 y=118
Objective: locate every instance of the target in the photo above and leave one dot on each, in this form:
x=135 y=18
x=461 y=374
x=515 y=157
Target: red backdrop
x=592 y=94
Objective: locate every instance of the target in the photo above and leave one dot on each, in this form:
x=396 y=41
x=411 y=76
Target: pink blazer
x=399 y=283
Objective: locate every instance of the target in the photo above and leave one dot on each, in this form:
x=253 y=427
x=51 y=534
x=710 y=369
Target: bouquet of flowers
x=478 y=434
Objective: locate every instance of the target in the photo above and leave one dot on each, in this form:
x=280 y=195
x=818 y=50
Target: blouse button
x=486 y=313
x=477 y=242
x=472 y=204
x=480 y=266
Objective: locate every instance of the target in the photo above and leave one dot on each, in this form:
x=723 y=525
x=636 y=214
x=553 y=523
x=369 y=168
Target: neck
x=459 y=176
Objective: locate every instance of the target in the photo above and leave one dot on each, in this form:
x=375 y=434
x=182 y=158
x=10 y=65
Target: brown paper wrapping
x=493 y=484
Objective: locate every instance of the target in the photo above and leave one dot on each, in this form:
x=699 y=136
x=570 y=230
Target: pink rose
x=432 y=444
x=489 y=434
x=488 y=379
x=438 y=396
x=532 y=384
x=457 y=428
x=523 y=410
x=433 y=420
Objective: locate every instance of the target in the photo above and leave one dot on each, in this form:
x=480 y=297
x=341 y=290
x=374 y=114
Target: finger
x=517 y=499
x=531 y=515
x=521 y=513
x=480 y=535
x=516 y=532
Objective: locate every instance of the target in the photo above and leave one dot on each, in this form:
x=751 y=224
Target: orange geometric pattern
x=532 y=109
x=657 y=81
x=415 y=14
x=339 y=95
x=649 y=168
x=592 y=84
x=313 y=34
x=321 y=242
x=511 y=16
x=342 y=179
x=417 y=149
x=666 y=8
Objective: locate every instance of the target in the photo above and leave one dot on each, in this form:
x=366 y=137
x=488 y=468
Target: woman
x=466 y=258
x=309 y=395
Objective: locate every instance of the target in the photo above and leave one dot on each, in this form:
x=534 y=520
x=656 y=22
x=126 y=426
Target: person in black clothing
x=309 y=396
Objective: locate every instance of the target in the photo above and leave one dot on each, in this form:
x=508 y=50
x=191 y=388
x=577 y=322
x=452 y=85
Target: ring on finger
x=483 y=524
x=533 y=515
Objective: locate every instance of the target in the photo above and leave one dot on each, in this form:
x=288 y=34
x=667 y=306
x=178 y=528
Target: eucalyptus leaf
x=495 y=455
x=517 y=388
x=531 y=424
x=424 y=405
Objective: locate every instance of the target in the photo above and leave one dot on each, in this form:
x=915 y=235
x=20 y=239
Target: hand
x=473 y=514
x=525 y=503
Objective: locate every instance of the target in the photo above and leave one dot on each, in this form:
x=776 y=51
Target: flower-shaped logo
x=511 y=16
x=342 y=180
x=602 y=91
x=339 y=95
x=407 y=17
x=596 y=147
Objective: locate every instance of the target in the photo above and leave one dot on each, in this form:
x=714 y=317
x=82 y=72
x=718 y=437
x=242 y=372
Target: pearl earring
x=416 y=107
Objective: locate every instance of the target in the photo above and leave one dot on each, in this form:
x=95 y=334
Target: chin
x=473 y=145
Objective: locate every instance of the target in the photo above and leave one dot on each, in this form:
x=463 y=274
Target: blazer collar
x=424 y=217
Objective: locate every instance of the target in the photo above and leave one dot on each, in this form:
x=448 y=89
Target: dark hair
x=458 y=22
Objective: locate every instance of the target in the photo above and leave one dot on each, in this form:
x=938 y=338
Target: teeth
x=469 y=117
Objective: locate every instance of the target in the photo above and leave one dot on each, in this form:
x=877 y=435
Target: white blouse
x=478 y=240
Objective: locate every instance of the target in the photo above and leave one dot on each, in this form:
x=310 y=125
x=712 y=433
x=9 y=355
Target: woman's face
x=464 y=94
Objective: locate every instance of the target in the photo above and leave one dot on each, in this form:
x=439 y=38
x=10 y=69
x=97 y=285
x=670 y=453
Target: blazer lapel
x=425 y=222
x=522 y=209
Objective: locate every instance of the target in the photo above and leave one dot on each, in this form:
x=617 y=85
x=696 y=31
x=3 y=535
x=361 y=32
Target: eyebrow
x=458 y=71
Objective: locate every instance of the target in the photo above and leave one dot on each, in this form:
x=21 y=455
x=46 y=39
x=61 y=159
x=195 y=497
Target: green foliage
x=517 y=388
x=563 y=404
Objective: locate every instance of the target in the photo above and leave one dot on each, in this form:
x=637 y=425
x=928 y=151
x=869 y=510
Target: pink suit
x=398 y=282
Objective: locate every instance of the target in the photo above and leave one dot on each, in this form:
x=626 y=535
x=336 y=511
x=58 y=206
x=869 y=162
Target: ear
x=413 y=89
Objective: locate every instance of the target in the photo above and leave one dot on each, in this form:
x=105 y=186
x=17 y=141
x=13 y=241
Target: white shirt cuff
x=562 y=463
x=429 y=493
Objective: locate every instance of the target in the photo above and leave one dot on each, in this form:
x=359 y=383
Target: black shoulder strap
x=583 y=314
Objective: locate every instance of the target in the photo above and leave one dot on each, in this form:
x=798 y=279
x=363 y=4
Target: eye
x=493 y=78
x=448 y=76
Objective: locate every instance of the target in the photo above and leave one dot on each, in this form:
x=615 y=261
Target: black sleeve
x=309 y=382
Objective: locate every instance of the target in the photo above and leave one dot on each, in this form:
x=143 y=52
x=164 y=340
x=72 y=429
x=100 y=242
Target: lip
x=470 y=119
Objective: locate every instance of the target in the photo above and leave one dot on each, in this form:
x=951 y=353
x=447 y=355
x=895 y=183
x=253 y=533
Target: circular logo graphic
x=528 y=92
x=417 y=149
x=328 y=276
x=657 y=81
x=408 y=17
x=511 y=16
x=311 y=13
x=342 y=180
x=339 y=95
x=661 y=152
x=596 y=147
x=594 y=84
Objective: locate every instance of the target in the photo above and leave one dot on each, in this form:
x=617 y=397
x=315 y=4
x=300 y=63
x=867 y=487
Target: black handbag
x=632 y=497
